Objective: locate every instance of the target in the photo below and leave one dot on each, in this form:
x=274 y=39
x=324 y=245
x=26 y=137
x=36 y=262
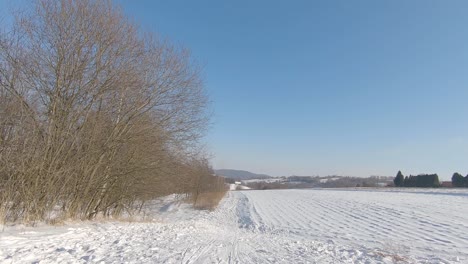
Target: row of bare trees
x=96 y=116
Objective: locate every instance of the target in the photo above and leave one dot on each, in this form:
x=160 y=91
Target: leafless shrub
x=94 y=118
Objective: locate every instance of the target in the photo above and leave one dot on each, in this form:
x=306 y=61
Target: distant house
x=238 y=183
x=446 y=184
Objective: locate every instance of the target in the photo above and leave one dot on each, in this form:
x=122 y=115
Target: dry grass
x=209 y=200
x=394 y=251
x=395 y=257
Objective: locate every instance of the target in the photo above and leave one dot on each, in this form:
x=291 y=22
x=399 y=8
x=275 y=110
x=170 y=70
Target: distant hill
x=241 y=175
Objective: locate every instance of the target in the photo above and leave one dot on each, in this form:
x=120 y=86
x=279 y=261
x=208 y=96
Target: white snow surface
x=269 y=180
x=328 y=179
x=277 y=226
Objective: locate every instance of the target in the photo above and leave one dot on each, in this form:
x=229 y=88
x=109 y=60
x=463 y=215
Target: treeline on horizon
x=459 y=181
x=96 y=117
x=428 y=180
x=317 y=182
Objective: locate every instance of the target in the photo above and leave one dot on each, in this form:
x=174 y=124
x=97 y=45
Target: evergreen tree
x=458 y=180
x=435 y=180
x=399 y=179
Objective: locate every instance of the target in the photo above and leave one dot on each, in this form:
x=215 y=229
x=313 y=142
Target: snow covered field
x=280 y=226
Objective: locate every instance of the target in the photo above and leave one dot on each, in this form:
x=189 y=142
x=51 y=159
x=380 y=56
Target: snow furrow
x=287 y=226
x=414 y=225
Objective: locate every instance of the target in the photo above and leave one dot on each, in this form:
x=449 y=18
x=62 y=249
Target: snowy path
x=288 y=226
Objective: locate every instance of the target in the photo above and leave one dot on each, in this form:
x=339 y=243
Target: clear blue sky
x=328 y=87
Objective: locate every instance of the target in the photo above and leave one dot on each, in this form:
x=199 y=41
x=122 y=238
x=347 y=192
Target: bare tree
x=93 y=112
